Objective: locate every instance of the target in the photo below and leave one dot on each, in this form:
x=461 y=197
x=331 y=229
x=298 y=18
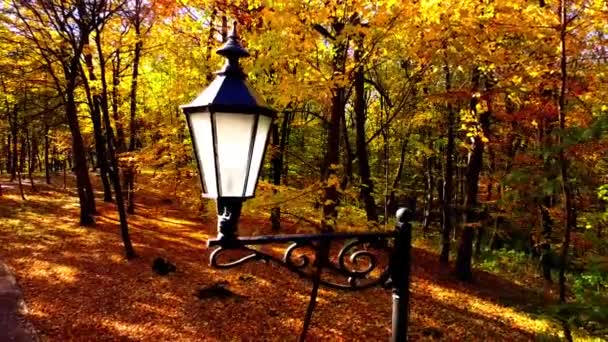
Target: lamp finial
x=232 y=49
x=234 y=33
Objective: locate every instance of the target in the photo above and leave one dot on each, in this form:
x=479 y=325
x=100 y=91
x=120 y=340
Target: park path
x=13 y=325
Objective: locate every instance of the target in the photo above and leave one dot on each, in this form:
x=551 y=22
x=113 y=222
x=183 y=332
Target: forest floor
x=78 y=285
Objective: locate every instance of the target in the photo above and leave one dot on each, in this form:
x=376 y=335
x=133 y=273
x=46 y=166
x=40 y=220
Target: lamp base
x=228 y=214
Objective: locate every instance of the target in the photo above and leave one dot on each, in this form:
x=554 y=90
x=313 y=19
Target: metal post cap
x=404 y=214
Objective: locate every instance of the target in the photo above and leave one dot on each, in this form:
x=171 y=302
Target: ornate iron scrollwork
x=353 y=262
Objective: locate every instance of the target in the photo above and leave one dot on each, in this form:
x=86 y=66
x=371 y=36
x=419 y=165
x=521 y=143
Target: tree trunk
x=22 y=153
x=8 y=154
x=448 y=177
x=471 y=208
x=130 y=173
x=95 y=106
x=330 y=199
x=31 y=160
x=65 y=174
x=462 y=185
x=14 y=133
x=120 y=134
x=210 y=40
x=277 y=168
x=20 y=168
x=386 y=165
x=47 y=172
x=545 y=245
x=279 y=142
x=426 y=221
x=367 y=185
x=332 y=159
x=563 y=162
x=348 y=158
x=439 y=186
x=465 y=247
x=120 y=205
x=83 y=183
x=224 y=29
x=31 y=163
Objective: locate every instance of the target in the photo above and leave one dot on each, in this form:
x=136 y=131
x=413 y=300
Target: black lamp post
x=229 y=124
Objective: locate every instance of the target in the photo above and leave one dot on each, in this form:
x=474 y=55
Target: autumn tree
x=61 y=53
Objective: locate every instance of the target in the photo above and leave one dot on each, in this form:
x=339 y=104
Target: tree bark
x=563 y=162
x=348 y=158
x=129 y=173
x=20 y=168
x=448 y=177
x=47 y=167
x=8 y=154
x=545 y=245
x=279 y=142
x=471 y=207
x=30 y=156
x=429 y=182
x=367 y=185
x=332 y=159
x=95 y=106
x=277 y=167
x=120 y=205
x=65 y=176
x=330 y=199
x=120 y=134
x=83 y=183
x=14 y=134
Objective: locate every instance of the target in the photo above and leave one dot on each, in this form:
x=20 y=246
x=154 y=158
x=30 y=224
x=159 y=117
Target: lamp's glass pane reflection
x=258 y=152
x=203 y=139
x=234 y=135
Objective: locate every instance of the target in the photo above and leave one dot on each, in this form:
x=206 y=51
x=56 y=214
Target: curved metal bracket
x=359 y=263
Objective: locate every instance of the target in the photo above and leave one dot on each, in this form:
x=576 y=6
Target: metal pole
x=400 y=275
x=229 y=212
x=321 y=260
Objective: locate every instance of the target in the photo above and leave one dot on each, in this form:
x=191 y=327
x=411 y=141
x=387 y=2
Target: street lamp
x=229 y=124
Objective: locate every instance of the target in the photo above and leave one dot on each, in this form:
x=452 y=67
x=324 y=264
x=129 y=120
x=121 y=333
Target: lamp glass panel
x=258 y=153
x=234 y=134
x=200 y=124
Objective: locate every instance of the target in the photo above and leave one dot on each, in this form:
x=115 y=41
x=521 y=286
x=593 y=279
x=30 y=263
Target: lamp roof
x=230 y=91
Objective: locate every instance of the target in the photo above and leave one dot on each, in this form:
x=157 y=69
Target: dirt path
x=13 y=325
